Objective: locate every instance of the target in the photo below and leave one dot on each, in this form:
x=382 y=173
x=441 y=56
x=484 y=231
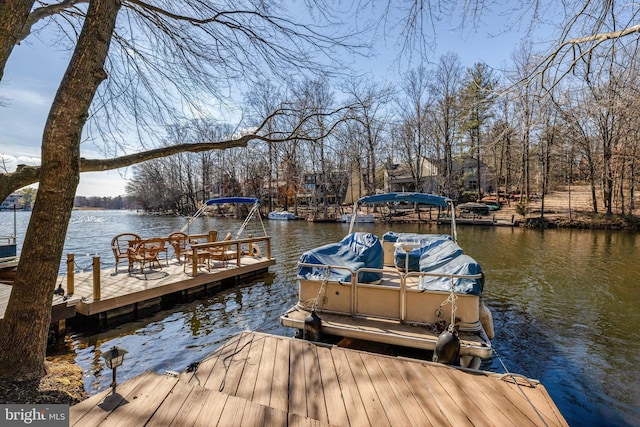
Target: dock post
x=194 y=263
x=96 y=278
x=70 y=274
x=250 y=246
x=212 y=236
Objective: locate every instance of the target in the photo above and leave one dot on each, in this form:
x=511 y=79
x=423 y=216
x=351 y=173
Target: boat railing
x=8 y=240
x=387 y=298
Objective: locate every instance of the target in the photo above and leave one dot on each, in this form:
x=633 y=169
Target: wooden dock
x=256 y=379
x=105 y=295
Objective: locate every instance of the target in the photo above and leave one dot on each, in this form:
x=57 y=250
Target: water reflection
x=565 y=306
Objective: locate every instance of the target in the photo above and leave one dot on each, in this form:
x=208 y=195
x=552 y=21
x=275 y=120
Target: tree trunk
x=26 y=322
x=13 y=15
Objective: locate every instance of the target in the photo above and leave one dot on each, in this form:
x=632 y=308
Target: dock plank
x=467 y=402
x=247 y=383
x=216 y=374
x=352 y=400
x=234 y=365
x=298 y=375
x=190 y=410
x=519 y=396
x=208 y=365
x=115 y=408
x=265 y=374
x=181 y=395
x=409 y=403
x=316 y=405
x=367 y=389
x=336 y=412
x=281 y=375
x=5 y=293
x=143 y=404
x=433 y=391
x=493 y=403
x=232 y=413
x=210 y=414
x=392 y=406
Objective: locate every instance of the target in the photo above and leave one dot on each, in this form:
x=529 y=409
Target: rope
x=226 y=367
x=513 y=377
x=193 y=367
x=82 y=268
x=325 y=279
x=451 y=299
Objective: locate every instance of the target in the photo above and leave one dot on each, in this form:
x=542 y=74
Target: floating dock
x=100 y=295
x=257 y=379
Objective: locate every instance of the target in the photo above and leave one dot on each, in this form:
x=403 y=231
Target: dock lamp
x=114 y=358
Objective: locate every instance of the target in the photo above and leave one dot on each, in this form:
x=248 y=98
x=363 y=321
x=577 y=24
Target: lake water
x=565 y=303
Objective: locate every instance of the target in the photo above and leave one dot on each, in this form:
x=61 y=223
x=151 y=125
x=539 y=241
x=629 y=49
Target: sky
x=35 y=69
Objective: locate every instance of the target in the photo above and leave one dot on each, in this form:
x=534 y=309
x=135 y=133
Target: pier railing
x=232 y=250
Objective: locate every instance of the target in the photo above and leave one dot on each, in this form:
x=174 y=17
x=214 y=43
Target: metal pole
x=113 y=380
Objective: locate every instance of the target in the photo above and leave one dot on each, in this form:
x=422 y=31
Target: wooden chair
x=146 y=252
x=179 y=241
x=219 y=253
x=120 y=246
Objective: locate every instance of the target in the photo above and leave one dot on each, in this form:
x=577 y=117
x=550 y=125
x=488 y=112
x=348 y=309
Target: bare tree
x=411 y=132
x=368 y=124
x=445 y=86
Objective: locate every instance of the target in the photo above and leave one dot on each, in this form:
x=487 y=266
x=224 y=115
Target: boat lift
x=225 y=200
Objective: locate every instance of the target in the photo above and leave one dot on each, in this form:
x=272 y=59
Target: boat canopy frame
x=255 y=209
x=407 y=197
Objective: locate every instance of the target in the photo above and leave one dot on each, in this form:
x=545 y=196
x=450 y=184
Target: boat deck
x=257 y=379
x=386 y=331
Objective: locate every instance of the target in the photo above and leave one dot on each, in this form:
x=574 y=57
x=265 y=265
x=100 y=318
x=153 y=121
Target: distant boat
x=359 y=218
x=8 y=255
x=281 y=215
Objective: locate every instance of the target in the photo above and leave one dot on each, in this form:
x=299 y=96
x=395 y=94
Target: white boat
x=359 y=218
x=281 y=215
x=410 y=290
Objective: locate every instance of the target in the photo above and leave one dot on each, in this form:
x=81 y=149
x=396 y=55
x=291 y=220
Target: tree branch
x=43 y=12
x=27 y=175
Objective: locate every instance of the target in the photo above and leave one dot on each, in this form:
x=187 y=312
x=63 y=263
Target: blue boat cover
x=223 y=200
x=355 y=251
x=461 y=265
x=437 y=254
x=428 y=242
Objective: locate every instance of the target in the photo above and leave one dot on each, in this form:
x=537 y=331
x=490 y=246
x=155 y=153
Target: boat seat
x=355 y=251
x=427 y=243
